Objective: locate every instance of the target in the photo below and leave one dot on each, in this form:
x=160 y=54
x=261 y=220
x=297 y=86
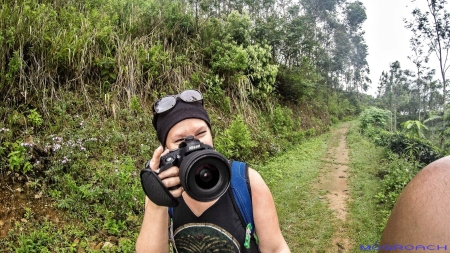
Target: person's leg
x=421 y=216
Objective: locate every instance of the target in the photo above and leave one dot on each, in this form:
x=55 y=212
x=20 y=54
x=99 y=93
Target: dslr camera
x=205 y=174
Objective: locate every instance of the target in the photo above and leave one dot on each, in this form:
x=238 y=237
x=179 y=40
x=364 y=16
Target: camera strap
x=155 y=190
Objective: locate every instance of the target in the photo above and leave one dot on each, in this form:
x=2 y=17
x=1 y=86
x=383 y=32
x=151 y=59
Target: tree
x=434 y=26
x=392 y=90
x=355 y=17
x=419 y=58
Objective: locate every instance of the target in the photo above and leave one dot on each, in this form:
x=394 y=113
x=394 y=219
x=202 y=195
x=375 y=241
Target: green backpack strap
x=242 y=196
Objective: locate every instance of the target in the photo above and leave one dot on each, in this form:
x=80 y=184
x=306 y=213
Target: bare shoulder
x=255 y=178
x=265 y=216
x=421 y=212
x=261 y=196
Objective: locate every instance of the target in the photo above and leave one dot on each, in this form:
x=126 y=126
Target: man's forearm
x=154 y=231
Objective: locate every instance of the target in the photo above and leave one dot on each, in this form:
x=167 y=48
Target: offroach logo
x=408 y=247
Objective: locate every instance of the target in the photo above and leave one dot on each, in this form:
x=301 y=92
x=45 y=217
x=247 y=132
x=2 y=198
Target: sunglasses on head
x=166 y=103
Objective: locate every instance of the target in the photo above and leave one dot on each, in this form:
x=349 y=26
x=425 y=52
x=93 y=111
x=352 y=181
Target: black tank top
x=218 y=229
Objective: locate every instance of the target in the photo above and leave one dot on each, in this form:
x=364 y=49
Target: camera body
x=205 y=174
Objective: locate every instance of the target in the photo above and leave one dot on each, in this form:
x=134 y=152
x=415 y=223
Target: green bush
x=215 y=93
x=19 y=158
x=298 y=83
x=373 y=117
x=395 y=175
x=235 y=142
x=415 y=148
x=282 y=121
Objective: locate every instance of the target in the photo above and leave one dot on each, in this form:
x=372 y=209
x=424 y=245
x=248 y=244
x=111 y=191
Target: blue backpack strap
x=241 y=193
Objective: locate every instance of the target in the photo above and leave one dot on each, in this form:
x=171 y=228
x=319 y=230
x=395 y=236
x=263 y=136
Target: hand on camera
x=170 y=176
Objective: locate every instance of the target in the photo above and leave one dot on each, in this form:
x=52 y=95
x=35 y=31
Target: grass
x=364 y=215
x=304 y=218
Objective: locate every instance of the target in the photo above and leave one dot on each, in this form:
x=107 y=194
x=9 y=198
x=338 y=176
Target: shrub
x=414 y=128
x=35 y=118
x=235 y=142
x=298 y=83
x=215 y=93
x=282 y=121
x=415 y=148
x=334 y=119
x=19 y=158
x=396 y=174
x=373 y=117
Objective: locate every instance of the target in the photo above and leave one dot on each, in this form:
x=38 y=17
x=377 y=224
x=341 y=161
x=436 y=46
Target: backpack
x=242 y=197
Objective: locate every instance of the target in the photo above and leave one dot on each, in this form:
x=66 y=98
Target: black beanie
x=182 y=110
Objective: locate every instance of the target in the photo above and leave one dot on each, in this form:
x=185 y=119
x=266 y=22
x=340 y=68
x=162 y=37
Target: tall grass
x=365 y=215
x=120 y=47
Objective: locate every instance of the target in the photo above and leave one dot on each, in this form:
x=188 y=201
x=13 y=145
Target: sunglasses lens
x=165 y=104
x=191 y=96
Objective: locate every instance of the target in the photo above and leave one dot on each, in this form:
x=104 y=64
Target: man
x=177 y=117
x=420 y=218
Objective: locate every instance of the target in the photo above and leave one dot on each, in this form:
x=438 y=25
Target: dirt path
x=334 y=181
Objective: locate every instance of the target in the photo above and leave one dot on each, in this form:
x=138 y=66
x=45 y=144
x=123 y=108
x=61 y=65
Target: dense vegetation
x=78 y=79
x=406 y=152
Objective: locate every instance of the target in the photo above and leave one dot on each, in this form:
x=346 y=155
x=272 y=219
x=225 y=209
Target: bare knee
x=422 y=212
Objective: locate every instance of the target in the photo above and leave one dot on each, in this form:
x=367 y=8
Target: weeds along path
x=333 y=181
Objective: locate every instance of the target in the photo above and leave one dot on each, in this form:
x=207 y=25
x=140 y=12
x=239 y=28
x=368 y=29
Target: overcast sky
x=386 y=35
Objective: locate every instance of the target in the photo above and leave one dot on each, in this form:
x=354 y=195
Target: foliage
x=406 y=155
x=282 y=122
x=233 y=57
x=235 y=142
x=340 y=107
x=216 y=94
x=414 y=128
x=432 y=26
x=416 y=149
x=397 y=173
x=135 y=106
x=298 y=83
x=373 y=118
x=439 y=126
x=18 y=158
x=355 y=14
x=35 y=118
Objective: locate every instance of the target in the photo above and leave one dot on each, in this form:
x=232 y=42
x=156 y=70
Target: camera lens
x=206 y=176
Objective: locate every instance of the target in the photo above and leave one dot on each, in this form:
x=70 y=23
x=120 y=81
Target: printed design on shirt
x=203 y=238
